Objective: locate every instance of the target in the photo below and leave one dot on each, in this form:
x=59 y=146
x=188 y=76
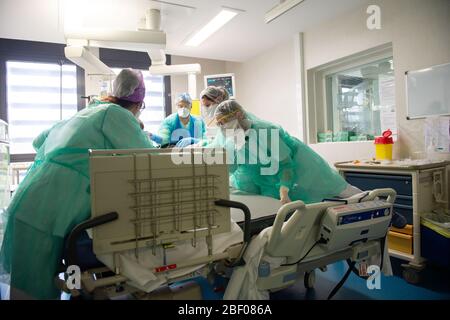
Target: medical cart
x=421 y=185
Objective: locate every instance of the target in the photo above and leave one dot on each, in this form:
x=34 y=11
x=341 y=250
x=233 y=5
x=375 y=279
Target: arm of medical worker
x=164 y=133
x=40 y=139
x=286 y=172
x=154 y=137
x=123 y=131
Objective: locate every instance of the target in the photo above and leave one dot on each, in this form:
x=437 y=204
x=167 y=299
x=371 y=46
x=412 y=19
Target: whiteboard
x=428 y=91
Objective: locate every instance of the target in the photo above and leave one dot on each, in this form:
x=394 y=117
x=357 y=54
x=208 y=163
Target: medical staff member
x=55 y=196
x=181 y=128
x=210 y=99
x=302 y=174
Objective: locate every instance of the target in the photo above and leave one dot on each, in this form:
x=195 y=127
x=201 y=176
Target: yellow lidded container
x=383 y=146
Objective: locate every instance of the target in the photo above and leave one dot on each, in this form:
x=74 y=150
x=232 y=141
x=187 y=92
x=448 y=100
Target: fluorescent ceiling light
x=215 y=24
x=280 y=9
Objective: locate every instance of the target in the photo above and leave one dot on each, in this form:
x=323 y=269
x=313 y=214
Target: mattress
x=263 y=210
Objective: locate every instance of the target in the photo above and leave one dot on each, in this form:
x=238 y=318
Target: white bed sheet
x=260 y=206
x=140 y=271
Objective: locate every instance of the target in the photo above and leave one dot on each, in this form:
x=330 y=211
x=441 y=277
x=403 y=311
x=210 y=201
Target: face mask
x=137 y=115
x=209 y=111
x=184 y=112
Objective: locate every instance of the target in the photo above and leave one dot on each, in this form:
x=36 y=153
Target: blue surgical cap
x=185 y=97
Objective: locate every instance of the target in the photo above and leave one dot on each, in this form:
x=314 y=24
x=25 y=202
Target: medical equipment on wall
x=145 y=203
x=222 y=80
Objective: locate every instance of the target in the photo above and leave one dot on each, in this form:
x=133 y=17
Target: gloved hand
x=284 y=195
x=156 y=138
x=186 y=142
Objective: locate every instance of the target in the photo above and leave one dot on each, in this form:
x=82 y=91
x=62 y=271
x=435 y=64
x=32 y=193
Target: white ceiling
x=247 y=35
x=243 y=38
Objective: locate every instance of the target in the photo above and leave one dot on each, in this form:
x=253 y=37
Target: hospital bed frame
x=291 y=239
x=142 y=199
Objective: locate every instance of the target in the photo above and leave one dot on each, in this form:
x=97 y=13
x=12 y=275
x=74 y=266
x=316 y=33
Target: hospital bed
x=163 y=216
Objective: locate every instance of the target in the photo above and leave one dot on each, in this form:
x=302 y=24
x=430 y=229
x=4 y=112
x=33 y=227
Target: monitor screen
x=222 y=80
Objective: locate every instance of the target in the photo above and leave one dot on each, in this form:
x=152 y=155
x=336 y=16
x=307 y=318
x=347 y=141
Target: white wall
x=179 y=84
x=265 y=86
x=36 y=20
x=419 y=31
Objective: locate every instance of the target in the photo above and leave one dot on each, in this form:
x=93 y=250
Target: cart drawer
x=400 y=242
x=369 y=181
x=406 y=230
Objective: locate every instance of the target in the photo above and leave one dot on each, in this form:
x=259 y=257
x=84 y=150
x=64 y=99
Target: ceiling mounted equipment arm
x=86 y=60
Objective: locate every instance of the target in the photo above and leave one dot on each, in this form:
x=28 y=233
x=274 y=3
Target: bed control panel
x=345 y=225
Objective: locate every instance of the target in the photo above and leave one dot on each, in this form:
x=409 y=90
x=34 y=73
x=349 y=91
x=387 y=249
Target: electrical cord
x=321 y=240
x=360 y=199
x=341 y=283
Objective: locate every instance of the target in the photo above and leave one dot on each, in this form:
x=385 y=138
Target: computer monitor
x=222 y=80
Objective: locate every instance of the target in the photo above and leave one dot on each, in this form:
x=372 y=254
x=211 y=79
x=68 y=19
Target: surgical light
x=211 y=27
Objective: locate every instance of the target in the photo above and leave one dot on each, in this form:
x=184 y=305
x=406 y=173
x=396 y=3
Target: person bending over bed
x=55 y=195
x=267 y=160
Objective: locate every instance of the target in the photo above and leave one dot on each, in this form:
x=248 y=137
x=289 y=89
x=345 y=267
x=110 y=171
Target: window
x=38 y=96
x=353 y=98
x=154 y=112
x=360 y=100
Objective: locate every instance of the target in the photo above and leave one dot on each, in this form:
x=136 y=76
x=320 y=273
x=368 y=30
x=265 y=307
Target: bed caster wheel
x=310 y=279
x=411 y=276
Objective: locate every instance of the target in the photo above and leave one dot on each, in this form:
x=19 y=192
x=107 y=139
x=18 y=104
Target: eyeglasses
x=224 y=119
x=142 y=107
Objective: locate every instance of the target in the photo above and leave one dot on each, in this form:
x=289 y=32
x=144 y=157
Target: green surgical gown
x=307 y=175
x=55 y=196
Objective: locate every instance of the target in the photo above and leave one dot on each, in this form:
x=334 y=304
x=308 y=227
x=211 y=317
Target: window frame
x=317 y=111
x=115 y=58
x=38 y=52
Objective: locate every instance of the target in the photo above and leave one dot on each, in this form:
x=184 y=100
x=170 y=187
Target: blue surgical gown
x=172 y=130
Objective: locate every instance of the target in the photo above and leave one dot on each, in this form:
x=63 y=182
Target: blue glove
x=156 y=138
x=186 y=142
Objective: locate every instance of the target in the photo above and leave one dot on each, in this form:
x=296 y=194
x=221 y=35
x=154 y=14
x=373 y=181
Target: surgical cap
x=225 y=95
x=212 y=93
x=229 y=109
x=129 y=85
x=185 y=97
